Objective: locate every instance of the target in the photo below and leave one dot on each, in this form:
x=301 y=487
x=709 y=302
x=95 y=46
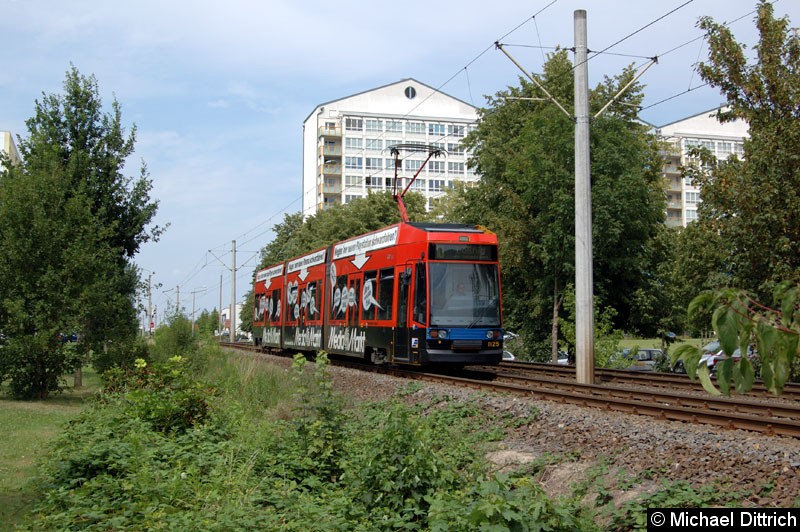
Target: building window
x=692 y=197
x=415 y=128
x=374 y=182
x=353 y=143
x=354 y=124
x=455 y=168
x=395 y=126
x=392 y=142
x=436 y=130
x=389 y=164
x=435 y=167
x=412 y=165
x=375 y=144
x=353 y=181
x=455 y=148
x=435 y=185
x=691 y=216
x=373 y=163
x=352 y=162
x=410 y=93
x=374 y=125
x=350 y=197
x=456 y=131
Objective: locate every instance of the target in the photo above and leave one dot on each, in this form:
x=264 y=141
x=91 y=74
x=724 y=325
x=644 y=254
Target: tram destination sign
x=359 y=247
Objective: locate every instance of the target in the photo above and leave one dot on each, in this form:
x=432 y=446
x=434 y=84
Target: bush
x=159 y=451
x=121 y=354
x=162 y=394
x=174 y=339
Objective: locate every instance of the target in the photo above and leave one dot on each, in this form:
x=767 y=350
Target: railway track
x=654 y=395
x=648 y=379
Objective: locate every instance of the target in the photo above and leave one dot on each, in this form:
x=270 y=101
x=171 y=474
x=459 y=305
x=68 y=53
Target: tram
x=411 y=294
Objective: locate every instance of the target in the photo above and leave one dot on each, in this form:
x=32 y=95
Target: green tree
x=524 y=149
x=46 y=276
x=70 y=222
x=753 y=205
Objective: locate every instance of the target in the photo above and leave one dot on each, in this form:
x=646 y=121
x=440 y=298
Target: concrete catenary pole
x=150 y=319
x=233 y=292
x=584 y=297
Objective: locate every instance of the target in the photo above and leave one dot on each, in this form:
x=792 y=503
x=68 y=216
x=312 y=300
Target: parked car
x=711 y=357
x=508 y=356
x=641 y=358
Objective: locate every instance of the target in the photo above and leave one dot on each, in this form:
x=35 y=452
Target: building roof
x=376 y=89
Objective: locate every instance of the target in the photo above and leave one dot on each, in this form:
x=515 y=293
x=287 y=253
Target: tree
x=753 y=205
x=70 y=222
x=524 y=150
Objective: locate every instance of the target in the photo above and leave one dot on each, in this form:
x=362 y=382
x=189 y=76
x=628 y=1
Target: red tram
x=410 y=293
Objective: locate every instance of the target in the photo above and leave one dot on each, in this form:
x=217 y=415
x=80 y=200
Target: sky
x=218 y=91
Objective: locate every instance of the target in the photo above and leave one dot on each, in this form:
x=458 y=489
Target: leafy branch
x=741 y=322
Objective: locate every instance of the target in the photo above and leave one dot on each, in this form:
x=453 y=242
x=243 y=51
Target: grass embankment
x=644 y=343
x=26 y=428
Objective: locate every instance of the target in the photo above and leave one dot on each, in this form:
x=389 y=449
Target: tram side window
x=275 y=307
x=338 y=303
x=369 y=309
x=385 y=293
x=420 y=292
x=291 y=302
x=260 y=308
x=352 y=303
x=309 y=301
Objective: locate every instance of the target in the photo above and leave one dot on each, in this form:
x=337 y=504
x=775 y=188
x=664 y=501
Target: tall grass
x=248 y=380
x=27 y=429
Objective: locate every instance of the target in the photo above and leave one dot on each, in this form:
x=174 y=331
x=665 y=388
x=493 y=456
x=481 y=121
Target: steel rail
x=731 y=413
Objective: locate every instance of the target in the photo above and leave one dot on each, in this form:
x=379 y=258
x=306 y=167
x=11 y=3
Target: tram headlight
x=492 y=335
x=440 y=334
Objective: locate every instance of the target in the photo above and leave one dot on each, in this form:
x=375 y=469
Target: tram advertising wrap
x=411 y=293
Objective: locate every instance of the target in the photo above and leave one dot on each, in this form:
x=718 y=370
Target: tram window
x=260 y=308
x=385 y=293
x=352 y=302
x=275 y=307
x=309 y=301
x=291 y=303
x=420 y=291
x=339 y=299
x=369 y=308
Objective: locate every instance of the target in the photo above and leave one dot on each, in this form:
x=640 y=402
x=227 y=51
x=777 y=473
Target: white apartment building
x=347 y=144
x=703 y=129
x=8 y=147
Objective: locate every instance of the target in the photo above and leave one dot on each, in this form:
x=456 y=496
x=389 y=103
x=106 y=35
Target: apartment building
x=347 y=144
x=703 y=130
x=8 y=147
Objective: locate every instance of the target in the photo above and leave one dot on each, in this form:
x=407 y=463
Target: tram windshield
x=464 y=294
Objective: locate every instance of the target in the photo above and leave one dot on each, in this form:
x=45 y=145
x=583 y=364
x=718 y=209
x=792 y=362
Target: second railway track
x=653 y=395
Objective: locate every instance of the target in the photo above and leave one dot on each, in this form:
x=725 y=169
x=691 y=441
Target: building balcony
x=331 y=188
x=330 y=132
x=330 y=151
x=332 y=169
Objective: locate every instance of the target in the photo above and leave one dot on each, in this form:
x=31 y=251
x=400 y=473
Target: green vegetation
x=70 y=223
x=28 y=428
x=214 y=440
